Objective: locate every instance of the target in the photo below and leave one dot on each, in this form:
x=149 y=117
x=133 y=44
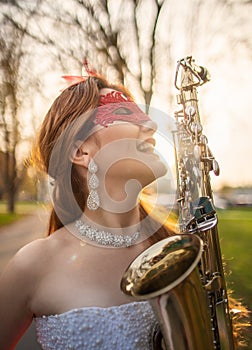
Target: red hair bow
x=87 y=71
x=74 y=79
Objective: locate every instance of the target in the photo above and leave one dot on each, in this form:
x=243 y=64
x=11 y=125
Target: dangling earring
x=93 y=200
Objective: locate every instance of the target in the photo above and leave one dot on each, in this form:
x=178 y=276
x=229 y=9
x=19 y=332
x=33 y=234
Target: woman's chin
x=159 y=171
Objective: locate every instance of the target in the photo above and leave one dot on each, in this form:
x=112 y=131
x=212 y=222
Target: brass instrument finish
x=197 y=214
x=168 y=277
x=182 y=276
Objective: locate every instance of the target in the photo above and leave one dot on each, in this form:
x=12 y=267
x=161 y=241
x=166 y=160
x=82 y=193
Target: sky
x=220 y=39
x=224 y=106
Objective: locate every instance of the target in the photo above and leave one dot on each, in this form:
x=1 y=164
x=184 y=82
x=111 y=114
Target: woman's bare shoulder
x=18 y=284
x=34 y=257
x=24 y=262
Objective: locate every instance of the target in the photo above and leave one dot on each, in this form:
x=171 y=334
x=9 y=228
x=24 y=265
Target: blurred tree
x=113 y=36
x=117 y=40
x=136 y=42
x=14 y=88
x=9 y=105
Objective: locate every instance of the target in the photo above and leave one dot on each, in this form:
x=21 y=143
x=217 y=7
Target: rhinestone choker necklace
x=105 y=238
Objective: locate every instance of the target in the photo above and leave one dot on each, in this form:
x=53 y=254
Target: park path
x=12 y=238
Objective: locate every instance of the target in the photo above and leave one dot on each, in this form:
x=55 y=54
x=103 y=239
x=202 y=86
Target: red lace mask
x=114 y=106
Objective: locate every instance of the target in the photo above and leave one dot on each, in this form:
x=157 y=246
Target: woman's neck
x=119 y=207
x=120 y=223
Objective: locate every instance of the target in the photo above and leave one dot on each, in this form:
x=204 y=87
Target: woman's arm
x=16 y=286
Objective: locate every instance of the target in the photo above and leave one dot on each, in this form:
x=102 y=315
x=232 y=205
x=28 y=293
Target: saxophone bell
x=162 y=275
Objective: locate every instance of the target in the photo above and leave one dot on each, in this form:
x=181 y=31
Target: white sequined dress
x=125 y=327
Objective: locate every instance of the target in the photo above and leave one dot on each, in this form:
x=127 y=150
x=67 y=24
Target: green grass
x=235 y=231
x=22 y=209
x=6 y=219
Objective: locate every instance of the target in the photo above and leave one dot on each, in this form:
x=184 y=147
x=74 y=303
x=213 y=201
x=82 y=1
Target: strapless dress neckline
x=93 y=308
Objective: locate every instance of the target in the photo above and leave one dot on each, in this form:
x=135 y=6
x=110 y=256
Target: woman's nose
x=149 y=126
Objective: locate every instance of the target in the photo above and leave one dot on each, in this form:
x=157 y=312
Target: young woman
x=98 y=147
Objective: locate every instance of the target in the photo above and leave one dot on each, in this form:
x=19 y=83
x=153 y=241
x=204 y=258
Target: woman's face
x=125 y=149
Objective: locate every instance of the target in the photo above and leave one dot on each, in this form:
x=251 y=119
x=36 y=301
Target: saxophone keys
x=214 y=284
x=190 y=111
x=216 y=168
x=197 y=152
x=196 y=128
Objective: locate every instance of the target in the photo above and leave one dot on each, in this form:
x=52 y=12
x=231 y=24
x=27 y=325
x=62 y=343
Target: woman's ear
x=80 y=154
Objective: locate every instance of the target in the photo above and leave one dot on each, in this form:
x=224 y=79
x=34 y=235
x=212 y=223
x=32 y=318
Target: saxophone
x=182 y=276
